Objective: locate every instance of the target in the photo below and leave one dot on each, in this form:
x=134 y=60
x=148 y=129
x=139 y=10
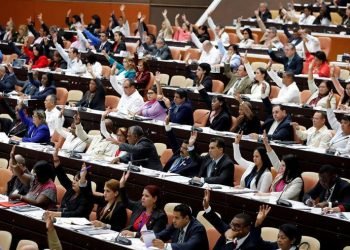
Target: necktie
x=211 y=168
x=181 y=237
x=327 y=194
x=234 y=243
x=177 y=163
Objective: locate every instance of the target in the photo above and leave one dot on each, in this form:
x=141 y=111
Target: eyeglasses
x=150 y=93
x=140 y=66
x=120 y=135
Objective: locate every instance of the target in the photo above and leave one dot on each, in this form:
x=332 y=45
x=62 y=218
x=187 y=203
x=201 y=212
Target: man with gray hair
x=14 y=185
x=162 y=50
x=7 y=81
x=140 y=150
x=52 y=113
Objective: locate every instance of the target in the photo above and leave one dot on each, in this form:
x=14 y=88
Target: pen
x=86 y=168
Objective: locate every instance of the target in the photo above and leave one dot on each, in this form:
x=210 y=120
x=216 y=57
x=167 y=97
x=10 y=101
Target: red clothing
x=323 y=70
x=182 y=36
x=40 y=62
x=142 y=78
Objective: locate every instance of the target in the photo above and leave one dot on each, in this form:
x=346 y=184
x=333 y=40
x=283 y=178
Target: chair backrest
x=282 y=37
x=131 y=48
x=5 y=176
x=74 y=96
x=166 y=155
x=164 y=79
x=234 y=122
x=274 y=13
x=269 y=233
x=218 y=86
x=233 y=38
x=204 y=221
x=256 y=38
x=256 y=65
x=3 y=163
x=111 y=101
x=160 y=147
x=325 y=44
x=9 y=58
x=170 y=218
x=27 y=243
x=106 y=71
x=344 y=74
x=274 y=90
x=5 y=240
x=313 y=243
x=346 y=248
x=60 y=193
x=213 y=237
x=193 y=53
x=169 y=207
x=6 y=116
x=305 y=95
x=337 y=99
x=310 y=180
x=277 y=67
x=188 y=82
x=200 y=117
x=336 y=18
x=175 y=53
x=177 y=81
x=62 y=95
x=152 y=29
x=238 y=172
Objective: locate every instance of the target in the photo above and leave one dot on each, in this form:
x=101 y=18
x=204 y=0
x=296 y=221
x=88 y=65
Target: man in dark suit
x=140 y=150
x=7 y=81
x=330 y=191
x=180 y=110
x=181 y=162
x=215 y=167
x=291 y=60
x=241 y=234
x=99 y=43
x=186 y=232
x=162 y=50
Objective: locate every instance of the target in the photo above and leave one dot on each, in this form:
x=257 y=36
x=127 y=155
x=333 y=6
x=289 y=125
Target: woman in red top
x=321 y=66
x=143 y=74
x=37 y=57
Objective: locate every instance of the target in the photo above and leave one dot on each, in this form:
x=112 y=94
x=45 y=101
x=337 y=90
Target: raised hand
x=68 y=12
x=238 y=138
x=193 y=138
x=206 y=198
x=263 y=212
x=332 y=70
x=76 y=118
x=29 y=20
x=157 y=77
x=239 y=19
x=165 y=12
x=177 y=16
x=83 y=173
x=55 y=158
x=184 y=17
x=167 y=120
x=256 y=13
x=139 y=15
x=311 y=65
x=123 y=179
x=122 y=7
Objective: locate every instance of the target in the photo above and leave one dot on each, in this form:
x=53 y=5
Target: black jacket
x=296 y=64
x=157 y=221
x=7 y=83
x=163 y=53
x=96 y=101
x=144 y=154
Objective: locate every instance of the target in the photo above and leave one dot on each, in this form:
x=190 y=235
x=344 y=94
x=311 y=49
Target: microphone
x=122 y=240
x=333 y=151
x=76 y=155
x=134 y=168
x=283 y=202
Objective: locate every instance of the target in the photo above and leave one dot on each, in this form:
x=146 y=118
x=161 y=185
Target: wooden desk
x=332 y=233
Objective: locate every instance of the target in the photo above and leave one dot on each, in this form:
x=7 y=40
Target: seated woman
x=247 y=121
x=143 y=74
x=245 y=37
x=22 y=35
x=202 y=76
x=288 y=238
x=231 y=55
x=183 y=33
x=94 y=98
x=343 y=92
x=288 y=179
x=324 y=18
x=220 y=118
x=42 y=191
x=257 y=175
x=166 y=31
x=77 y=200
x=37 y=57
x=146 y=213
x=319 y=95
x=319 y=63
x=38 y=131
x=122 y=71
x=57 y=62
x=93 y=68
x=47 y=88
x=259 y=78
x=119 y=44
x=152 y=108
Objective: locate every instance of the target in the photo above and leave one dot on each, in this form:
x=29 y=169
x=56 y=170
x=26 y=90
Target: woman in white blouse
x=245 y=37
x=257 y=175
x=258 y=77
x=288 y=179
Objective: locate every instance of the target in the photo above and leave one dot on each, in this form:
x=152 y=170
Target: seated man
x=14 y=185
x=161 y=50
x=291 y=60
x=7 y=81
x=318 y=136
x=341 y=140
x=140 y=150
x=210 y=54
x=131 y=101
x=181 y=162
x=330 y=191
x=239 y=82
x=185 y=233
x=241 y=233
x=99 y=44
x=289 y=92
x=98 y=145
x=52 y=113
x=17 y=126
x=216 y=167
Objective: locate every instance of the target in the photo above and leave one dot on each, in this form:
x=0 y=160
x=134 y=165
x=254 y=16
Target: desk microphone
x=283 y=202
x=122 y=240
x=332 y=151
x=134 y=168
x=76 y=155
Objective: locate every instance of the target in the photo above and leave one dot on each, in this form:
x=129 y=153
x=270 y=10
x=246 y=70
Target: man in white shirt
x=210 y=54
x=289 y=92
x=306 y=18
x=52 y=113
x=318 y=136
x=219 y=31
x=312 y=43
x=131 y=101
